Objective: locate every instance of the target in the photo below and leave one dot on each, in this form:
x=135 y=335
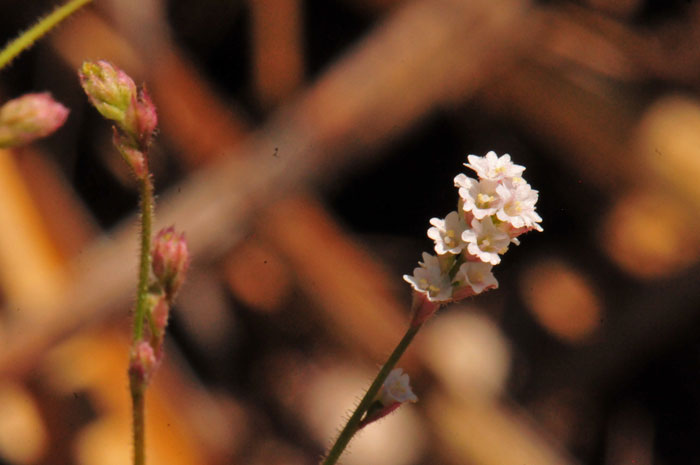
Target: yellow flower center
x=483 y=200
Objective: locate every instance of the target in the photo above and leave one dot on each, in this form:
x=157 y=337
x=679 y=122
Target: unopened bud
x=170 y=260
x=143 y=363
x=110 y=90
x=145 y=118
x=160 y=311
x=30 y=117
x=132 y=156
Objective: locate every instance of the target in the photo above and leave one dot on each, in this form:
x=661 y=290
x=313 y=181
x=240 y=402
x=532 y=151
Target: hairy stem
x=353 y=423
x=138 y=393
x=136 y=382
x=146 y=188
x=28 y=37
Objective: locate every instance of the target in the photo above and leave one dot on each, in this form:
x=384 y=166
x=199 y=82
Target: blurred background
x=304 y=146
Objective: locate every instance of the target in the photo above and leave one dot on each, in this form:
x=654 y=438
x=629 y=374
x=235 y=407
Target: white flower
x=447 y=233
x=476 y=275
x=430 y=280
x=478 y=197
x=519 y=206
x=493 y=167
x=486 y=241
x=396 y=388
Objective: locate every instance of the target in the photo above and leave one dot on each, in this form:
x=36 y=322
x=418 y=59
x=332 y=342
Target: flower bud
x=143 y=363
x=30 y=117
x=160 y=311
x=110 y=90
x=132 y=156
x=170 y=260
x=145 y=117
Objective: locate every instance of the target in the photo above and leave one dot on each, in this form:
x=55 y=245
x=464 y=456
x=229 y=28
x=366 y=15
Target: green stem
x=353 y=423
x=138 y=418
x=145 y=260
x=137 y=385
x=27 y=38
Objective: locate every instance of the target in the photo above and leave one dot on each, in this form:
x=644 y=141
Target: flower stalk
x=162 y=266
x=354 y=423
x=28 y=37
x=492 y=212
x=146 y=202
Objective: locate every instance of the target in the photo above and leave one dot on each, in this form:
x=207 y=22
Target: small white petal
x=481 y=198
x=447 y=233
x=476 y=275
x=518 y=207
x=396 y=388
x=429 y=279
x=486 y=241
x=494 y=168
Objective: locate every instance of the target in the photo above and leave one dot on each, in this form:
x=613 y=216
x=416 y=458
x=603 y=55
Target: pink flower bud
x=30 y=117
x=160 y=311
x=170 y=260
x=143 y=362
x=132 y=156
x=146 y=117
x=114 y=94
x=110 y=90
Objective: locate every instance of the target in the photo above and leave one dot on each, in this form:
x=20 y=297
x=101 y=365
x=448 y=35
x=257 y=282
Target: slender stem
x=353 y=423
x=136 y=382
x=145 y=260
x=28 y=37
x=138 y=418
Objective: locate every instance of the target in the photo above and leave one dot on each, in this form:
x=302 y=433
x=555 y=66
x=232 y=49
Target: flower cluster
x=492 y=212
x=115 y=95
x=169 y=262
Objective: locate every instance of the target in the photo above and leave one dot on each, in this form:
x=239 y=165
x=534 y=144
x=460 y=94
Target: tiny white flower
x=479 y=197
x=493 y=167
x=396 y=388
x=519 y=206
x=429 y=279
x=486 y=241
x=447 y=233
x=476 y=275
